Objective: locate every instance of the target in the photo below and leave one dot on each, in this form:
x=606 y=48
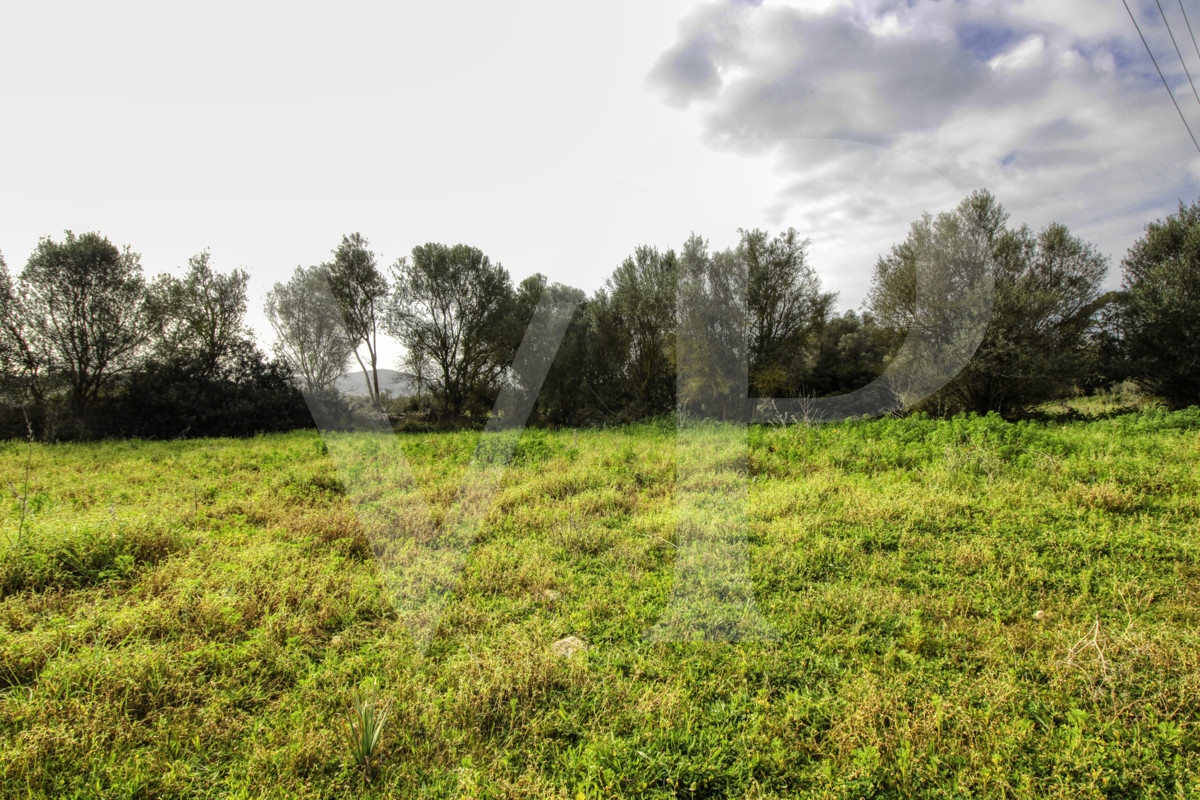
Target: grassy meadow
x=962 y=608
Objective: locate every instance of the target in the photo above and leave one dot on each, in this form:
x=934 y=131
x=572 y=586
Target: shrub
x=1160 y=310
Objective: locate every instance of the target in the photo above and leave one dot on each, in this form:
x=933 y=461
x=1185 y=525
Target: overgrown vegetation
x=967 y=314
x=966 y=608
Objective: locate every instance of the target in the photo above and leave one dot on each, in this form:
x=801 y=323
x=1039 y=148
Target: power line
x=1189 y=27
x=1181 y=61
x=1160 y=75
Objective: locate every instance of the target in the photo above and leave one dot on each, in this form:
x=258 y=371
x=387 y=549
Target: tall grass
x=964 y=608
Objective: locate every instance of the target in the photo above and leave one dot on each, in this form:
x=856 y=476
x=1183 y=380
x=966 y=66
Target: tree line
x=89 y=346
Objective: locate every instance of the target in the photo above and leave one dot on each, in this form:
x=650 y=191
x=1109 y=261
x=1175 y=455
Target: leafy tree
x=933 y=293
x=360 y=291
x=1036 y=345
x=563 y=396
x=199 y=319
x=1160 y=310
x=786 y=309
x=603 y=382
x=641 y=300
x=78 y=314
x=749 y=320
x=452 y=310
x=309 y=333
x=1045 y=292
x=24 y=372
x=712 y=354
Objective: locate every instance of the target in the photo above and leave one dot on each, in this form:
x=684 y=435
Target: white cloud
x=1026 y=55
x=1053 y=106
x=887 y=25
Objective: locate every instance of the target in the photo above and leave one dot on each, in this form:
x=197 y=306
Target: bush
x=250 y=395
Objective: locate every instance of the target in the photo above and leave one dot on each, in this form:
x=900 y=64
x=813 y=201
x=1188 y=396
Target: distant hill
x=397 y=384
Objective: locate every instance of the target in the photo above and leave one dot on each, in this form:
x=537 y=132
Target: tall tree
x=80 y=309
x=309 y=333
x=563 y=394
x=786 y=308
x=360 y=291
x=1045 y=295
x=641 y=296
x=452 y=310
x=199 y=319
x=604 y=383
x=712 y=337
x=1160 y=309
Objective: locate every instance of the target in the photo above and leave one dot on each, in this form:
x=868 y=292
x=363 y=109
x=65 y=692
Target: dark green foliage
x=205 y=376
x=566 y=391
x=1046 y=294
x=1107 y=358
x=87 y=350
x=11 y=356
x=198 y=320
x=607 y=394
x=93 y=352
x=851 y=352
x=1159 y=327
x=751 y=318
x=712 y=350
x=245 y=396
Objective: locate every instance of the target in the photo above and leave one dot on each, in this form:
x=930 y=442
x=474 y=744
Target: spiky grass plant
x=363 y=732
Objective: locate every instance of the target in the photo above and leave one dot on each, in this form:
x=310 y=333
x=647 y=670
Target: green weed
x=364 y=729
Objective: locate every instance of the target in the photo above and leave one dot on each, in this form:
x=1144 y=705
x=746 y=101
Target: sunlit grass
x=188 y=618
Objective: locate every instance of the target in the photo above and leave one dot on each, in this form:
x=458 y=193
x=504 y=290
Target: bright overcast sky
x=557 y=136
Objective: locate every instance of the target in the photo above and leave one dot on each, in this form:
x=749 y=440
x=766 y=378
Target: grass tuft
x=365 y=727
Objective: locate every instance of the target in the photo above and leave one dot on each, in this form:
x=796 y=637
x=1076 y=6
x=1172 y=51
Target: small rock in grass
x=568 y=646
x=550 y=595
x=1039 y=614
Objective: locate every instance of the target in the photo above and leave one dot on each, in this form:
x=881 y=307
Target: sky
x=558 y=136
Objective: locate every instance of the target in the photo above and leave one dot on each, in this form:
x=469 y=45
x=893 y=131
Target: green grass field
x=964 y=608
